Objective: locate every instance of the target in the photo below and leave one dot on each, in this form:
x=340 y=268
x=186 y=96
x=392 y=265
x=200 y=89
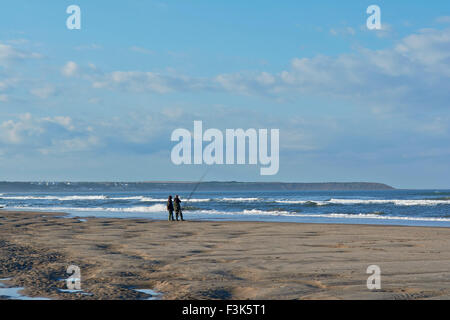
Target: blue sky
x=351 y=104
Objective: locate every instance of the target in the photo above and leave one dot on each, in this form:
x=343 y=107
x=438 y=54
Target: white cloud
x=265 y=78
x=429 y=49
x=443 y=19
x=141 y=50
x=15 y=132
x=9 y=54
x=385 y=31
x=71 y=145
x=92 y=46
x=46 y=134
x=413 y=72
x=172 y=113
x=70 y=69
x=95 y=100
x=147 y=82
x=65 y=122
x=43 y=92
x=20 y=41
x=343 y=31
x=7 y=84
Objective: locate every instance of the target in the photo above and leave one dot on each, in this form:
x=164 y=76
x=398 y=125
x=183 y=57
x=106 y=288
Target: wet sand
x=220 y=260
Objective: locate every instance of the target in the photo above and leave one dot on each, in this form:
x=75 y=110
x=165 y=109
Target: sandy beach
x=220 y=260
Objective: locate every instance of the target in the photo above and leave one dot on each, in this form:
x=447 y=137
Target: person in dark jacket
x=177 y=206
x=170 y=208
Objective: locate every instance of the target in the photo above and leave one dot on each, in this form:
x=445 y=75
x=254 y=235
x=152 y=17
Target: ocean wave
x=397 y=202
x=92 y=197
x=441 y=193
x=239 y=199
x=81 y=197
x=304 y=202
x=126 y=198
x=161 y=208
x=153 y=208
x=65 y=198
x=374 y=215
x=149 y=199
x=190 y=208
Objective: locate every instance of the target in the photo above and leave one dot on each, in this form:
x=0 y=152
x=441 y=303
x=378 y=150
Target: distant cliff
x=204 y=186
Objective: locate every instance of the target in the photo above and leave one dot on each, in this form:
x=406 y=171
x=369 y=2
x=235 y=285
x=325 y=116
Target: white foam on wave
x=397 y=202
x=161 y=208
x=379 y=217
x=239 y=199
x=153 y=208
x=255 y=212
x=70 y=198
x=91 y=197
x=126 y=198
x=64 y=198
x=315 y=202
x=269 y=213
x=149 y=199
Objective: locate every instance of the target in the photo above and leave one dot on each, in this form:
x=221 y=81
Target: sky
x=351 y=104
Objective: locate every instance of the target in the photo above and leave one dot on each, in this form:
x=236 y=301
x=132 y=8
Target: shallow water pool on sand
x=13 y=293
x=75 y=291
x=153 y=294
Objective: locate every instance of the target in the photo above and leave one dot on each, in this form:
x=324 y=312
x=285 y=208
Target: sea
x=387 y=207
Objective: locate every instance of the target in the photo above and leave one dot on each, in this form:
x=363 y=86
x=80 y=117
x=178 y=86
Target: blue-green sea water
x=390 y=207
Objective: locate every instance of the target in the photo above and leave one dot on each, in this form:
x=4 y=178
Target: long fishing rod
x=196 y=186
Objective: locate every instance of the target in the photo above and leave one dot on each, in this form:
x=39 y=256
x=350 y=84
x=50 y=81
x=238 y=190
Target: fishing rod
x=197 y=185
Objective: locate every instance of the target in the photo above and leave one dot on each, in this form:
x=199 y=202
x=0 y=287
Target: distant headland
x=187 y=185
